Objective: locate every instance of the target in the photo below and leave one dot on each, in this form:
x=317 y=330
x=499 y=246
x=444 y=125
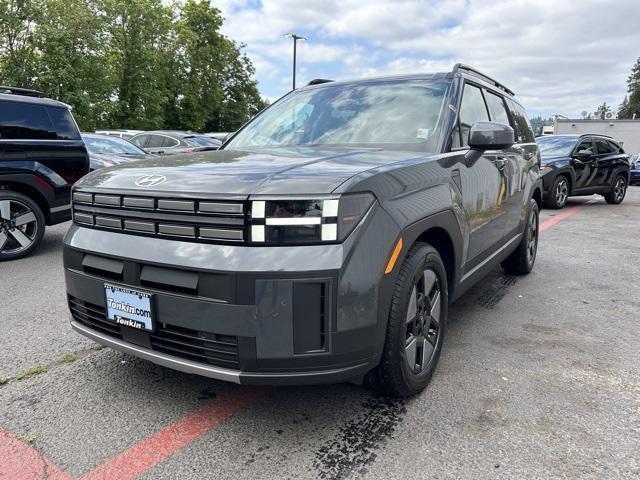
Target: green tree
x=18 y=20
x=630 y=106
x=138 y=46
x=70 y=63
x=213 y=88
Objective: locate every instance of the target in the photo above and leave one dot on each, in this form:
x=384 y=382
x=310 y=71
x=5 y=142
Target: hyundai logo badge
x=150 y=180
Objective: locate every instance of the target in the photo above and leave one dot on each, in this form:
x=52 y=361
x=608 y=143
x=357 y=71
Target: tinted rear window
x=25 y=121
x=63 y=123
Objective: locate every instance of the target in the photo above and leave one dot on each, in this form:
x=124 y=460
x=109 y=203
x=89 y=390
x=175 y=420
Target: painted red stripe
x=161 y=445
x=20 y=461
x=569 y=212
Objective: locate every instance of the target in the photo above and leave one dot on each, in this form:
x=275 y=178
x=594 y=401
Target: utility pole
x=295 y=42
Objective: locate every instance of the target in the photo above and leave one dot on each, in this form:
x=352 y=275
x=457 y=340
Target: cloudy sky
x=562 y=56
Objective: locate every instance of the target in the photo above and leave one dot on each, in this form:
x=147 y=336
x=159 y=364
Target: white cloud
x=559 y=57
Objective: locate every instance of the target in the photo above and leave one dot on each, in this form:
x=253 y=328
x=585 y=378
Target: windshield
x=403 y=113
x=201 y=141
x=556 y=146
x=110 y=145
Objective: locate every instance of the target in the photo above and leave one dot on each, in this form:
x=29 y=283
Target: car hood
x=299 y=170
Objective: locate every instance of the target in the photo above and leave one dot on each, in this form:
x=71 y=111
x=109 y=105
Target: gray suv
x=322 y=243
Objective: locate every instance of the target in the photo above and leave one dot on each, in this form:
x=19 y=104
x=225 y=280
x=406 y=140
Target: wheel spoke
x=413 y=306
x=25 y=218
x=429 y=278
x=411 y=351
x=5 y=209
x=20 y=237
x=435 y=308
x=3 y=240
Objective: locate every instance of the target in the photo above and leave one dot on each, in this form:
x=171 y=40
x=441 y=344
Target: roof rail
x=318 y=81
x=27 y=92
x=462 y=66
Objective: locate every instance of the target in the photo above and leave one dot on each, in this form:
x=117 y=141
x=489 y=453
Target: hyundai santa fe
x=323 y=243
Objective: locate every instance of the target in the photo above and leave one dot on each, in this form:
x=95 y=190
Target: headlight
x=304 y=221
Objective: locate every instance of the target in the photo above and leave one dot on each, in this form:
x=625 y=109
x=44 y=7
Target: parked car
x=634 y=161
x=323 y=243
x=582 y=165
x=108 y=151
x=41 y=156
x=119 y=132
x=168 y=142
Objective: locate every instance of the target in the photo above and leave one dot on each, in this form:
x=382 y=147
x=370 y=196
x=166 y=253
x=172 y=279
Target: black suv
x=323 y=243
x=582 y=165
x=41 y=156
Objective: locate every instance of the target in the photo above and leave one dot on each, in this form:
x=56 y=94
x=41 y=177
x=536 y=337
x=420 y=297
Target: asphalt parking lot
x=539 y=378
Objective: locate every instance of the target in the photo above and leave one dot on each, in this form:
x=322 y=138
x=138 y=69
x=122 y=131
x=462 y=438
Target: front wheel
x=558 y=194
x=619 y=190
x=416 y=325
x=521 y=261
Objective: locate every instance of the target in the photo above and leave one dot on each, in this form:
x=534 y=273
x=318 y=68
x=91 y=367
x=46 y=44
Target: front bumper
x=634 y=177
x=251 y=315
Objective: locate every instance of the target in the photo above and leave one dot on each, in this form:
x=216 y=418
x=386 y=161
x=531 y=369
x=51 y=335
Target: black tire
x=558 y=194
x=521 y=261
x=420 y=338
x=618 y=191
x=17 y=239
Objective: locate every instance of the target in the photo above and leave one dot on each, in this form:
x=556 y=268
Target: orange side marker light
x=394 y=257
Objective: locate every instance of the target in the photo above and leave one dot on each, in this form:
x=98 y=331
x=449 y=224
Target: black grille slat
x=159 y=345
x=199 y=220
x=173 y=332
x=202 y=347
x=191 y=345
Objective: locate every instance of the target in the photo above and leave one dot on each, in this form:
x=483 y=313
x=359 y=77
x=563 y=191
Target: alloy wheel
x=619 y=189
x=562 y=192
x=18 y=226
x=423 y=321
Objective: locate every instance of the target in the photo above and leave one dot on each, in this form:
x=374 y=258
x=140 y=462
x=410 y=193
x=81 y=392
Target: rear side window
x=472 y=110
x=497 y=108
x=616 y=148
x=139 y=140
x=25 y=121
x=63 y=123
x=169 y=142
x=603 y=147
x=155 y=141
x=521 y=125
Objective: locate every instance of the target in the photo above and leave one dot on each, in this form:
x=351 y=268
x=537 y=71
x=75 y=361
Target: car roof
x=459 y=70
x=10 y=97
x=575 y=135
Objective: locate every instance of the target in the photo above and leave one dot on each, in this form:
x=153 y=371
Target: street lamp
x=295 y=41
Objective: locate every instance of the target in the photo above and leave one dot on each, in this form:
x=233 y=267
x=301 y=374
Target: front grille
x=201 y=347
x=201 y=220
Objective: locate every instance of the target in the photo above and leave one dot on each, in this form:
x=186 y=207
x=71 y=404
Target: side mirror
x=490 y=136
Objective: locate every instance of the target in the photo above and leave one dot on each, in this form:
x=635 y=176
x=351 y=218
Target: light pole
x=295 y=42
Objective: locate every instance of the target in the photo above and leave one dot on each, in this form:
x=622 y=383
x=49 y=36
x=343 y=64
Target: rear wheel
x=21 y=225
x=619 y=190
x=521 y=261
x=416 y=325
x=559 y=193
